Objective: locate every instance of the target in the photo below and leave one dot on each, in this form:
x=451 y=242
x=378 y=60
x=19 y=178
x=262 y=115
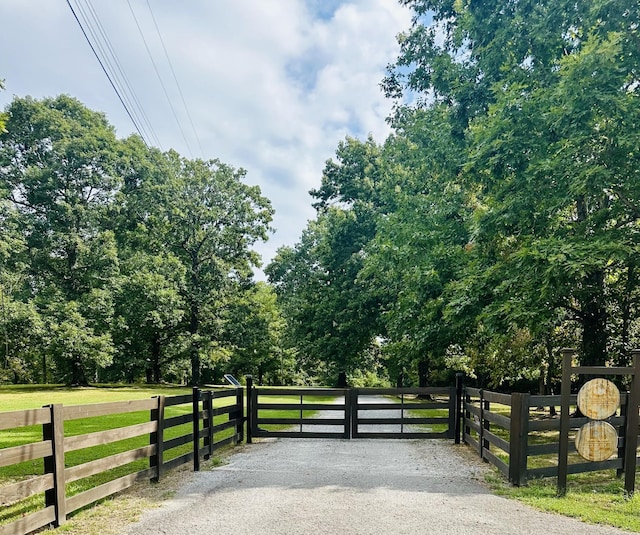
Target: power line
x=112 y=68
x=175 y=78
x=164 y=89
x=106 y=73
x=118 y=72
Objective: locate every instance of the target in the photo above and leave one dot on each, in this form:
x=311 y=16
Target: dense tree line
x=123 y=263
x=501 y=219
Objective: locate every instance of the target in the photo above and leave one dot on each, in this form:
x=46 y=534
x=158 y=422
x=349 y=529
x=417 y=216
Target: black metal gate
x=430 y=412
x=403 y=412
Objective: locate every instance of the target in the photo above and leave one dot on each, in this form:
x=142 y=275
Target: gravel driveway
x=363 y=486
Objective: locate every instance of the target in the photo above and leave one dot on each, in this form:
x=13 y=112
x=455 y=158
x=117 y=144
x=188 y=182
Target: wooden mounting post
x=54 y=432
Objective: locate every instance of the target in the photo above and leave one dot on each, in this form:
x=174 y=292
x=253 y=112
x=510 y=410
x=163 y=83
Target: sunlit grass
x=594 y=497
x=18 y=398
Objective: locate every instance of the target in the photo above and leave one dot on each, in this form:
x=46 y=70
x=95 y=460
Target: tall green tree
x=203 y=214
x=420 y=245
x=545 y=93
x=332 y=315
x=254 y=330
x=58 y=173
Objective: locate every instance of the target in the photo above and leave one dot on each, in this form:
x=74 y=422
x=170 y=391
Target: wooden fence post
x=622 y=432
x=482 y=428
x=458 y=409
x=347 y=413
x=355 y=399
x=207 y=407
x=239 y=415
x=196 y=428
x=519 y=438
x=466 y=415
x=631 y=438
x=249 y=379
x=157 y=438
x=54 y=432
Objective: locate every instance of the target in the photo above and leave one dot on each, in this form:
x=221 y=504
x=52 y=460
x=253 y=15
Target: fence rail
x=504 y=432
x=216 y=418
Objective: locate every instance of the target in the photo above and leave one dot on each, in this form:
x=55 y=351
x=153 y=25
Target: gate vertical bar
x=207 y=407
x=195 y=406
x=54 y=464
x=239 y=415
x=563 y=452
x=481 y=426
x=249 y=380
x=631 y=439
x=458 y=409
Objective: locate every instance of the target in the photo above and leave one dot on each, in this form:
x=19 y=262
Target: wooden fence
x=505 y=433
x=216 y=417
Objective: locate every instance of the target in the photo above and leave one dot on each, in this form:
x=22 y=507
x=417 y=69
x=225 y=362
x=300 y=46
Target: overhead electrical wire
x=164 y=89
x=119 y=72
x=108 y=60
x=175 y=79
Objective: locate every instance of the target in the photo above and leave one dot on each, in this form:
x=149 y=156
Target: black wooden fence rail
x=501 y=428
x=216 y=419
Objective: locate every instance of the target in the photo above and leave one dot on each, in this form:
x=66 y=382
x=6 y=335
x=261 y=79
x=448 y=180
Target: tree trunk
x=342 y=380
x=423 y=373
x=155 y=359
x=549 y=374
x=78 y=375
x=594 y=321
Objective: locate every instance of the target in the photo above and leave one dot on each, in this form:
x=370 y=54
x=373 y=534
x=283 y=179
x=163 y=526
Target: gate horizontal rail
x=410 y=415
x=419 y=412
x=293 y=410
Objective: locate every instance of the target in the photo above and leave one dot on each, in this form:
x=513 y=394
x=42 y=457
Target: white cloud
x=271 y=85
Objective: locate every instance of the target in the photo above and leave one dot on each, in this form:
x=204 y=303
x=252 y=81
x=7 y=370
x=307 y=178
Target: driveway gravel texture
x=362 y=486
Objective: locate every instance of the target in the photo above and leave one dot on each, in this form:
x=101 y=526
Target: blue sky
x=271 y=85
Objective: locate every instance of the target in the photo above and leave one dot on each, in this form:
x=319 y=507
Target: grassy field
x=594 y=497
x=27 y=397
x=14 y=398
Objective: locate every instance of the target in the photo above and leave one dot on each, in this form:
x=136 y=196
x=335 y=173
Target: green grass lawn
x=17 y=398
x=14 y=398
x=594 y=497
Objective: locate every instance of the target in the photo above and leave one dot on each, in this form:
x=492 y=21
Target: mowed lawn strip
x=18 y=398
x=594 y=497
x=14 y=398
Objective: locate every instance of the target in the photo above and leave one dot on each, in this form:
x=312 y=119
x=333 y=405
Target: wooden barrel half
x=597 y=440
x=598 y=399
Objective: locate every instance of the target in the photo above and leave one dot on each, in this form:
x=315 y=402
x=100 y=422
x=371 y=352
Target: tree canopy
x=117 y=261
x=501 y=214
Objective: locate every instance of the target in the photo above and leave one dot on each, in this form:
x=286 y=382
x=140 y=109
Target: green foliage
x=255 y=328
x=116 y=261
x=332 y=316
x=499 y=221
